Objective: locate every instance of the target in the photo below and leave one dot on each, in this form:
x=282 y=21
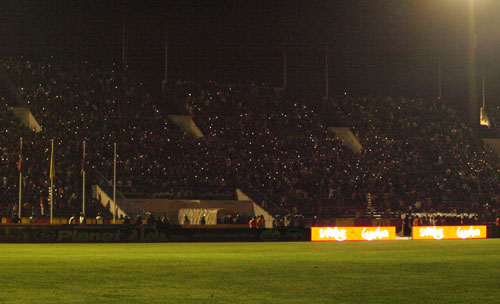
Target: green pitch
x=356 y=272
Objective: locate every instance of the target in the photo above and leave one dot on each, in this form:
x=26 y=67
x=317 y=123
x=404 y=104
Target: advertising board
x=449 y=232
x=340 y=234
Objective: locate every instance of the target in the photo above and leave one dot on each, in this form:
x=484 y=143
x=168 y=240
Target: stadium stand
x=428 y=156
x=416 y=156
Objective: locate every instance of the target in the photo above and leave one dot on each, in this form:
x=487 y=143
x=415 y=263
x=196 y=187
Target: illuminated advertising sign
x=340 y=234
x=449 y=232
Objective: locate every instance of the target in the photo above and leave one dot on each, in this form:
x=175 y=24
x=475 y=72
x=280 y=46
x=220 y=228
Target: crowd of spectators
x=417 y=156
x=11 y=130
x=427 y=157
x=291 y=221
x=100 y=105
x=451 y=219
x=233 y=219
x=277 y=144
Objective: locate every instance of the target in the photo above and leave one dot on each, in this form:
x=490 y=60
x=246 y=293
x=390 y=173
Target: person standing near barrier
x=165 y=221
x=261 y=222
x=416 y=221
x=138 y=220
x=406 y=225
x=150 y=219
x=497 y=225
x=275 y=221
x=15 y=219
x=186 y=220
x=253 y=223
x=82 y=219
x=98 y=219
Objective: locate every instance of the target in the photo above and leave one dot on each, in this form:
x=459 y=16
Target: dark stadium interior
x=231 y=151
x=64 y=62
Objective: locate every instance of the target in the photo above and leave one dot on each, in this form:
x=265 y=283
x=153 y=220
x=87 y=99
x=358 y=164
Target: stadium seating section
x=418 y=155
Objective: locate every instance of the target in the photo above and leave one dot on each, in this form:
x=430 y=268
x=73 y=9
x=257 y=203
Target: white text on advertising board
x=338 y=234
x=372 y=235
x=436 y=233
x=468 y=233
x=449 y=232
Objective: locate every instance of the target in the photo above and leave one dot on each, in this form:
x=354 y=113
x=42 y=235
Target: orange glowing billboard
x=340 y=234
x=449 y=232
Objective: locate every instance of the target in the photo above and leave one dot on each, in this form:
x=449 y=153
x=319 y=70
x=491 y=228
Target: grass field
x=355 y=272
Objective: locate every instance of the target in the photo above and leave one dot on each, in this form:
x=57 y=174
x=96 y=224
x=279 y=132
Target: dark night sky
x=375 y=46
